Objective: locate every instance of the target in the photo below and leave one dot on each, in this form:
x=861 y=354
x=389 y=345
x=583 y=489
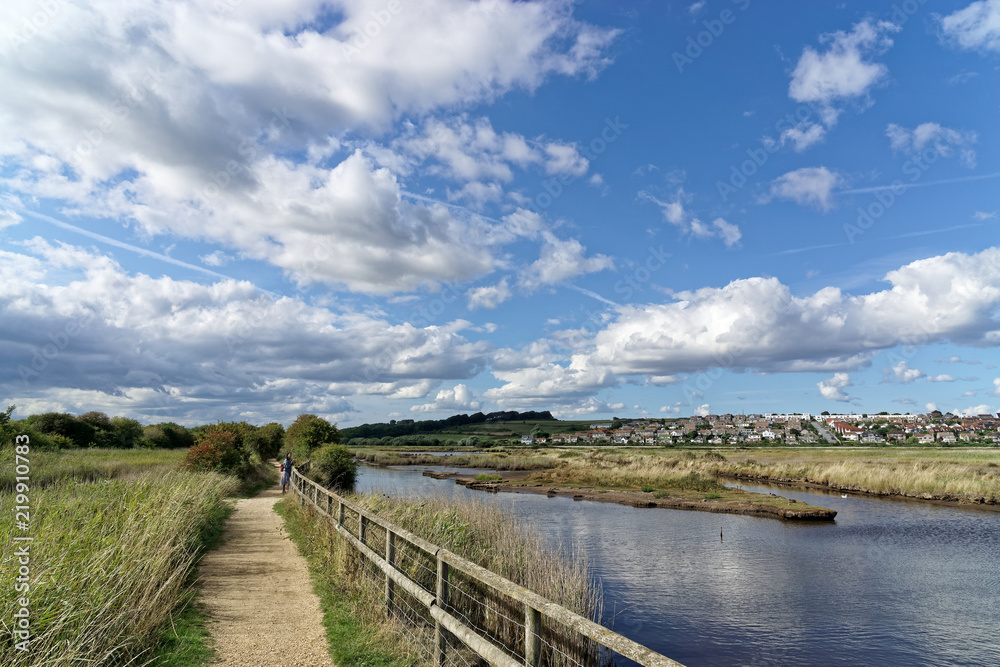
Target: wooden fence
x=524 y=609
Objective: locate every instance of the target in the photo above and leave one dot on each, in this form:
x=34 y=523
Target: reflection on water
x=887 y=584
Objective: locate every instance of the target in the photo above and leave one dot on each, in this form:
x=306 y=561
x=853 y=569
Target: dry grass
x=971 y=475
x=109 y=564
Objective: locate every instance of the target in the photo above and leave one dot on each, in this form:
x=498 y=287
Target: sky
x=392 y=209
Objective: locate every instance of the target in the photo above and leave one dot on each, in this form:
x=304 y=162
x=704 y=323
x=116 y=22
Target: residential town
x=933 y=428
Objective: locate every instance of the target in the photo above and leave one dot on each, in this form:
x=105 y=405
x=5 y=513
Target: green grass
x=186 y=642
x=87 y=465
x=358 y=637
x=647 y=488
x=486 y=477
x=110 y=563
x=494 y=461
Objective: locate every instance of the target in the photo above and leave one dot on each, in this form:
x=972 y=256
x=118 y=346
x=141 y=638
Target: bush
x=308 y=433
x=336 y=466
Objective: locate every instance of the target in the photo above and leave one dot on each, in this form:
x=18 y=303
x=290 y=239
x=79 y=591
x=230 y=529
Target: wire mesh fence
x=458 y=613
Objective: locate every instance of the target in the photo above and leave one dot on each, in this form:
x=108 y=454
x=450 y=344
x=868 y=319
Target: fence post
x=390 y=557
x=532 y=636
x=442 y=601
x=362 y=526
x=340 y=513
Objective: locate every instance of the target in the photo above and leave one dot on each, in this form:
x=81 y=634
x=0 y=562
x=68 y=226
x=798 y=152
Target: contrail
x=456 y=207
x=907 y=186
x=133 y=248
x=593 y=295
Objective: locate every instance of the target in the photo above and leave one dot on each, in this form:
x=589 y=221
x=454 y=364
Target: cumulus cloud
x=490 y=296
x=167 y=130
x=758 y=324
x=459 y=398
x=809 y=186
x=702 y=410
x=974 y=27
x=975 y=410
x=903 y=373
x=944 y=141
x=76 y=321
x=559 y=261
x=996 y=387
x=832 y=389
x=845 y=70
x=803 y=135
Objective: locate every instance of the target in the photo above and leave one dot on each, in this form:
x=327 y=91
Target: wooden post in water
x=442 y=601
x=532 y=636
x=390 y=556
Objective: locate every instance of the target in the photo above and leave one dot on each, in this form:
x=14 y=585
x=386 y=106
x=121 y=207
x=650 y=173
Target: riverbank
x=722 y=501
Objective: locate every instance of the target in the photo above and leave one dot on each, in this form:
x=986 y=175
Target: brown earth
x=255 y=587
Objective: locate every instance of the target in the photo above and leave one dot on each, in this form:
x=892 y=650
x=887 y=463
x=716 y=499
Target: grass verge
x=109 y=563
x=358 y=637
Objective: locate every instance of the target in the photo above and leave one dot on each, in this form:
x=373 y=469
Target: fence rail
x=429 y=575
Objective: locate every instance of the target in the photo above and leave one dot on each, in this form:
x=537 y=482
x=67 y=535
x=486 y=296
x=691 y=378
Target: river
x=888 y=584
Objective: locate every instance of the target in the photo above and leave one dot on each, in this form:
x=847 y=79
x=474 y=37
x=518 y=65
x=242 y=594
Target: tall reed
x=109 y=561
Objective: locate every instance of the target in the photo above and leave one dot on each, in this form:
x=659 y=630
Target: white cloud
x=560 y=261
x=984 y=215
x=758 y=324
x=975 y=410
x=943 y=140
x=903 y=373
x=217 y=258
x=168 y=129
x=845 y=69
x=75 y=321
x=803 y=135
x=458 y=398
x=996 y=387
x=976 y=26
x=940 y=378
x=702 y=410
x=832 y=389
x=490 y=296
x=675 y=213
x=696 y=7
x=9 y=219
x=809 y=186
x=930 y=407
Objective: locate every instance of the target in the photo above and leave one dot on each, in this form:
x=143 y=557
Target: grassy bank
x=497 y=461
x=87 y=465
x=109 y=562
x=353 y=598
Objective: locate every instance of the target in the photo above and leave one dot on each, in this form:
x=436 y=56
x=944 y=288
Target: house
x=527 y=439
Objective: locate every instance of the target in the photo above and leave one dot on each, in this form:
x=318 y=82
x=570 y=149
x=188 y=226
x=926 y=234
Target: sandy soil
x=256 y=589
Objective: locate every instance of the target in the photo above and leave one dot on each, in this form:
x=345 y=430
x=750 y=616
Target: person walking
x=286 y=472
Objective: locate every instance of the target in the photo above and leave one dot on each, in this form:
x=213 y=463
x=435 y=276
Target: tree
x=6 y=430
x=126 y=433
x=336 y=466
x=79 y=433
x=309 y=432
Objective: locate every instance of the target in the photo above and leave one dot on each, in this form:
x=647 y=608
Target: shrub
x=309 y=432
x=220 y=450
x=336 y=466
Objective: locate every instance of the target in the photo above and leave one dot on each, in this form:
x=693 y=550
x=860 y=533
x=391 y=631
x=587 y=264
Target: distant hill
x=403 y=427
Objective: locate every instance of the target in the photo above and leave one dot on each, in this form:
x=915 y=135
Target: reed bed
x=480 y=532
x=971 y=476
x=85 y=465
x=109 y=562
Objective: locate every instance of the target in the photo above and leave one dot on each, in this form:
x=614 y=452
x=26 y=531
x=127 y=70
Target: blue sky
x=374 y=209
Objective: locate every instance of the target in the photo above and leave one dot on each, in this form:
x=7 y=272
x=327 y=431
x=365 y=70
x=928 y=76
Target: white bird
x=843 y=495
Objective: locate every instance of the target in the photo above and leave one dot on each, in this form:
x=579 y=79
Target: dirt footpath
x=256 y=589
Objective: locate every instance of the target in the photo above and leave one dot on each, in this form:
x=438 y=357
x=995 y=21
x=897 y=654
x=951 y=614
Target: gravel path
x=256 y=589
